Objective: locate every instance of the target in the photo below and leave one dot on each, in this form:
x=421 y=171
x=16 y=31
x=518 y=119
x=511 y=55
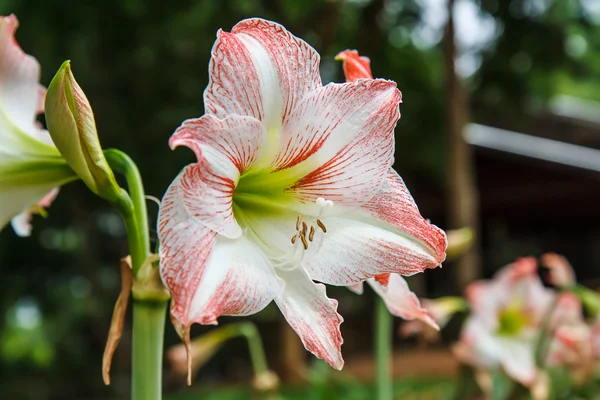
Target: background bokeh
x=529 y=66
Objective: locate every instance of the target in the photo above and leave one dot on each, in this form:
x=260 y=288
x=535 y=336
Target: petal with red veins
x=352 y=251
x=341 y=138
x=210 y=275
x=401 y=301
x=355 y=66
x=394 y=207
x=184 y=250
x=260 y=69
x=312 y=315
x=234 y=141
x=225 y=149
x=238 y=280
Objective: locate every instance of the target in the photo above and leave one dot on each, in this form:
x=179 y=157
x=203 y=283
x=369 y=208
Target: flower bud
x=71 y=124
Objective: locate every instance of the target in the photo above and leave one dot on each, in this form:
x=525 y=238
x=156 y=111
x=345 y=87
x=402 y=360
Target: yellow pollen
x=311 y=235
x=322 y=225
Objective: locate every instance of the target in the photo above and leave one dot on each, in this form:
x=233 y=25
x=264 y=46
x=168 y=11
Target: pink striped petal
x=225 y=149
x=401 y=301
x=341 y=137
x=312 y=315
x=184 y=250
x=238 y=280
x=355 y=66
x=235 y=140
x=394 y=206
x=352 y=251
x=261 y=70
x=209 y=275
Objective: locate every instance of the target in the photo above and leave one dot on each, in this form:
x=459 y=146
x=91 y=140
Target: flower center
x=511 y=320
x=308 y=236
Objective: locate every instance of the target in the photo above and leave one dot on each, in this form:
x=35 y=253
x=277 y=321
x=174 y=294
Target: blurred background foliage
x=143 y=65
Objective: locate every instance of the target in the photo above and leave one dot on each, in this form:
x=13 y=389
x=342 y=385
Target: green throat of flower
x=262 y=191
x=512 y=320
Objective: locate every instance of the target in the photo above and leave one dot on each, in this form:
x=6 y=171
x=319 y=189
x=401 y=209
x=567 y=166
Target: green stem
x=134 y=211
x=257 y=351
x=150 y=309
x=148 y=334
x=383 y=351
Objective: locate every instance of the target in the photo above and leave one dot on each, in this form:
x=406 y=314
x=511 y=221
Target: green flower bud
x=71 y=124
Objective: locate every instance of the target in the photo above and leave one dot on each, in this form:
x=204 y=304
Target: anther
x=294 y=239
x=304 y=227
x=322 y=225
x=298 y=222
x=304 y=242
x=311 y=235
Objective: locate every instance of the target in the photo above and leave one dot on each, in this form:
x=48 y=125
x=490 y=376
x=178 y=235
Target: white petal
x=238 y=280
x=19 y=200
x=260 y=70
x=20 y=91
x=518 y=359
x=401 y=301
x=21 y=223
x=352 y=251
x=312 y=315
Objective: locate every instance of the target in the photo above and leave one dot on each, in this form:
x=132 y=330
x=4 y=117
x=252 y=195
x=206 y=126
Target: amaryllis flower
x=31 y=168
x=507 y=314
x=571 y=343
x=392 y=288
x=293 y=183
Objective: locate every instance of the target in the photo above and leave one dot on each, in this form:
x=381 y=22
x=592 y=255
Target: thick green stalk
x=148 y=335
x=383 y=351
x=149 y=302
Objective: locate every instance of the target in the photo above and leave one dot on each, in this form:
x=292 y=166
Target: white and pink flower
x=31 y=168
x=293 y=183
x=507 y=315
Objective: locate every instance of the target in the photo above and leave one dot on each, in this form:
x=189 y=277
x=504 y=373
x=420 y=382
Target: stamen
x=322 y=225
x=311 y=235
x=304 y=242
x=298 y=222
x=294 y=239
x=304 y=227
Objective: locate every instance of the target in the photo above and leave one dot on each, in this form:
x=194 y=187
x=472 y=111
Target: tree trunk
x=292 y=356
x=463 y=203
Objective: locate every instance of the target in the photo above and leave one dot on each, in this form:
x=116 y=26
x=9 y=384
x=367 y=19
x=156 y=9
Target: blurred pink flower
x=561 y=272
x=31 y=168
x=507 y=313
x=293 y=183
